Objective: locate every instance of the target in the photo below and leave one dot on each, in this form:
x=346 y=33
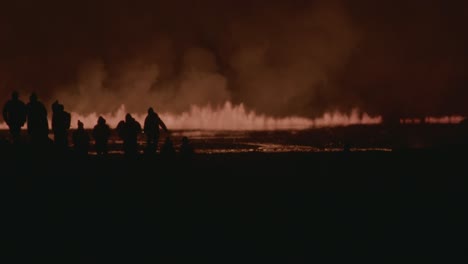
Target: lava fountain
x=234 y=117
x=231 y=117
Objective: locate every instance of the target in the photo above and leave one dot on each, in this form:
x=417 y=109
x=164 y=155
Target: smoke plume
x=281 y=58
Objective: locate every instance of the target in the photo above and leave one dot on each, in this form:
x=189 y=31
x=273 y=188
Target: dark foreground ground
x=235 y=208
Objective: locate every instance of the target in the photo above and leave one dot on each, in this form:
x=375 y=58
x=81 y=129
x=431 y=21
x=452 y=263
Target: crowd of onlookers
x=16 y=114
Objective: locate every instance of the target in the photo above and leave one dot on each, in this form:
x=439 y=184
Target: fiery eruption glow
x=434 y=120
x=231 y=117
x=234 y=117
x=237 y=117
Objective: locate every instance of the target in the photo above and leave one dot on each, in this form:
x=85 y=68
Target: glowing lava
x=231 y=117
x=452 y=120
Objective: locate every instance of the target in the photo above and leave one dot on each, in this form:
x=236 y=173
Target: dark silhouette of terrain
x=288 y=207
x=186 y=149
x=292 y=207
x=168 y=150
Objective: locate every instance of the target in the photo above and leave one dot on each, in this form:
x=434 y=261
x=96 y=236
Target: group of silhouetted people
x=16 y=114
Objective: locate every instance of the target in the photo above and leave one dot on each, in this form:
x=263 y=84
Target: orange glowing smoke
x=231 y=117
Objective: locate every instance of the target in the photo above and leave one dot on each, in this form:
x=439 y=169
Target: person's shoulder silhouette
x=14 y=110
x=60 y=124
x=35 y=107
x=38 y=126
x=55 y=107
x=151 y=129
x=136 y=125
x=14 y=115
x=81 y=140
x=101 y=134
x=150 y=121
x=153 y=122
x=101 y=128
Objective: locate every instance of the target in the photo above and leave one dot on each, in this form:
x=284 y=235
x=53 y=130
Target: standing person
x=81 y=140
x=14 y=114
x=38 y=127
x=151 y=129
x=129 y=130
x=101 y=134
x=60 y=124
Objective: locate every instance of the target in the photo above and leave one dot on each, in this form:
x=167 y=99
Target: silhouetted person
x=121 y=129
x=81 y=140
x=167 y=149
x=129 y=131
x=101 y=134
x=151 y=128
x=60 y=124
x=38 y=127
x=186 y=149
x=14 y=114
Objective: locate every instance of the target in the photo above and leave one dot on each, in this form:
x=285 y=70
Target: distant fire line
x=237 y=117
x=232 y=117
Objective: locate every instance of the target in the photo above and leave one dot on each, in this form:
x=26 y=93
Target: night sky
x=408 y=58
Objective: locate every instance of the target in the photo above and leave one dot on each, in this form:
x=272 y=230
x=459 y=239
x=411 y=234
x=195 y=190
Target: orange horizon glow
x=230 y=117
x=449 y=120
x=238 y=118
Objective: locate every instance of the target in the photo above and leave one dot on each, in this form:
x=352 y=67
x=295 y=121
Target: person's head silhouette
x=14 y=95
x=128 y=118
x=101 y=120
x=55 y=106
x=150 y=111
x=33 y=97
x=80 y=125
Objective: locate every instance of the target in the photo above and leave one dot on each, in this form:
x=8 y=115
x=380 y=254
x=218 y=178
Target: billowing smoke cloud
x=137 y=86
x=276 y=57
